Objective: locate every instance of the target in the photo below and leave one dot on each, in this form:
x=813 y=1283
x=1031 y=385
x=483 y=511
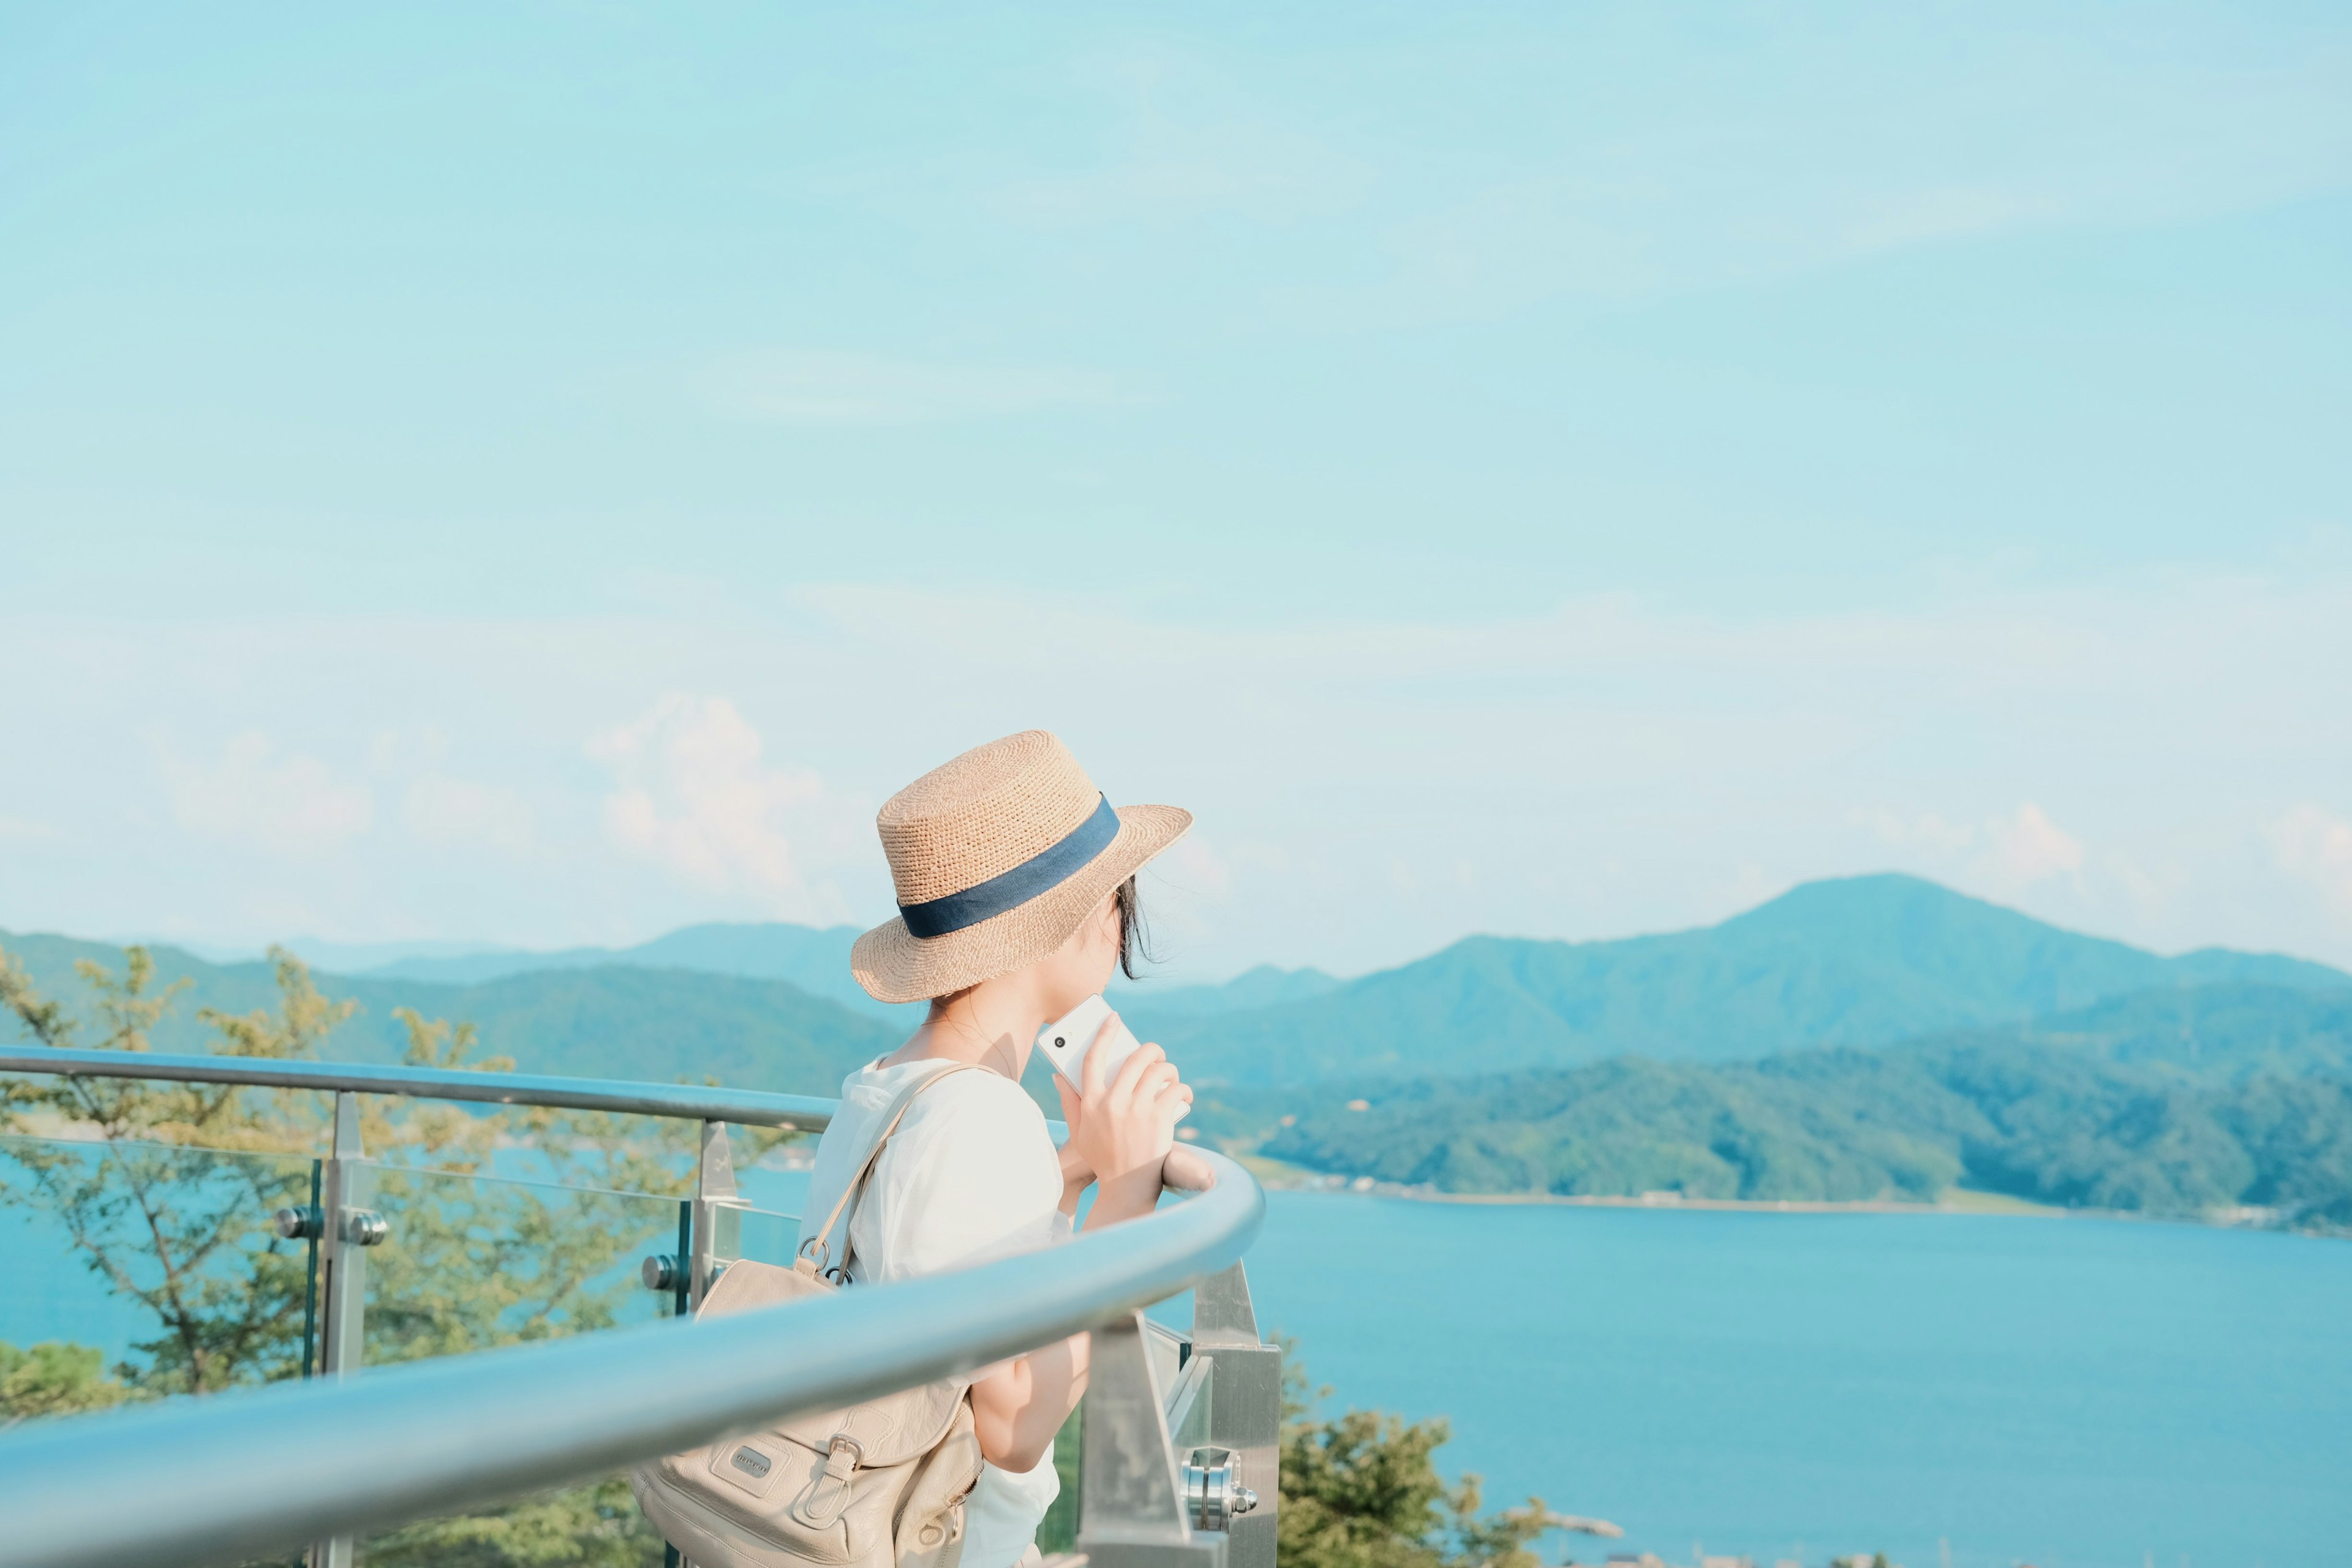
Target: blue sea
x=2069 y=1392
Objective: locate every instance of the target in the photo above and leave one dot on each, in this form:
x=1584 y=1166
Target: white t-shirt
x=970 y=1175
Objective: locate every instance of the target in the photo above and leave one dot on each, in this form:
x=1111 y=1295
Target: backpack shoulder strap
x=894 y=1113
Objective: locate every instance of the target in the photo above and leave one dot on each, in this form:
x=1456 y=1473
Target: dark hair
x=1134 y=937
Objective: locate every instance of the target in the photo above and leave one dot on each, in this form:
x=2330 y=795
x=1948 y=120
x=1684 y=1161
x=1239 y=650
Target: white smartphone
x=1087 y=1027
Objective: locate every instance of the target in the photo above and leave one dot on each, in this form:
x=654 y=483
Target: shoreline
x=1648 y=1201
x=1276 y=1177
x=1761 y=1206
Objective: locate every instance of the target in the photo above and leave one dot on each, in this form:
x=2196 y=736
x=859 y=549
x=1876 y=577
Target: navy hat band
x=1041 y=873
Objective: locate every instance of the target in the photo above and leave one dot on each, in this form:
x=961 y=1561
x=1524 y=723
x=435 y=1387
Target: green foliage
x=1058 y=1530
x=1362 y=1491
x=1841 y=1125
x=477 y=1262
x=2218 y=1033
x=167 y=1189
x=54 y=1379
x=585 y=1527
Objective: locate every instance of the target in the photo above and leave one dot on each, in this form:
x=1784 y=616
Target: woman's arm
x=1125 y=1128
x=1018 y=1407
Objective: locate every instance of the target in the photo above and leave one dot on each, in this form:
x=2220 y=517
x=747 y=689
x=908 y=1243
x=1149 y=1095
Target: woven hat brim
x=895 y=965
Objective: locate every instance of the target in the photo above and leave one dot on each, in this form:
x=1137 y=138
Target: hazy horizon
x=362 y=957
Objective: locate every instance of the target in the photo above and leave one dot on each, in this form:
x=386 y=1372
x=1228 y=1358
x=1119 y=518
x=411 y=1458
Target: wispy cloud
x=814 y=386
x=448 y=812
x=291 y=805
x=2317 y=846
x=2010 y=851
x=2028 y=848
x=696 y=797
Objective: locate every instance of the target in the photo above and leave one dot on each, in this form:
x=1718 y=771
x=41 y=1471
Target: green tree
x=166 y=1189
x=54 y=1379
x=478 y=1261
x=1362 y=1491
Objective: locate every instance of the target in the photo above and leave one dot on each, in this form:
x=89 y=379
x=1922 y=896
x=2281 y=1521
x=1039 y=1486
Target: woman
x=1016 y=881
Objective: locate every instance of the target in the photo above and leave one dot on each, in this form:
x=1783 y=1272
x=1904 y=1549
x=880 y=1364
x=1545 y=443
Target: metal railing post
x=715 y=1239
x=1245 y=1416
x=346 y=1231
x=717 y=1217
x=1134 y=1514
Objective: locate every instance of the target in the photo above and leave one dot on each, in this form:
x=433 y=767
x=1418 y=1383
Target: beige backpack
x=875 y=1485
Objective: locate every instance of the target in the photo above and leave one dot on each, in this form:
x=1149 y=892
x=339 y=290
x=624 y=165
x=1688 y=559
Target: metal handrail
x=745 y=1108
x=741 y=1106
x=239 y=1475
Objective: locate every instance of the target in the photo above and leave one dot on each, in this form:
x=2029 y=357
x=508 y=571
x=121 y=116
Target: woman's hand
x=1121 y=1127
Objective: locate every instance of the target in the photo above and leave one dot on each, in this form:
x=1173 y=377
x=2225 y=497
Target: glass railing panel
x=767 y=1236
x=769 y=1228
x=471 y=1262
x=134 y=1270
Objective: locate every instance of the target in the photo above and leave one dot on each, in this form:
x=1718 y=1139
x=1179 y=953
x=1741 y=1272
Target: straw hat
x=997 y=857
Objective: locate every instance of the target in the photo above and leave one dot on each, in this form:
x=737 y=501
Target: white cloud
x=2028 y=848
x=807 y=386
x=454 y=813
x=2317 y=846
x=696 y=798
x=2009 y=851
x=293 y=804
x=25 y=830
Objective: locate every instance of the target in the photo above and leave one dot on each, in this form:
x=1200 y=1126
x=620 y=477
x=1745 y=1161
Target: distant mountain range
x=1861 y=961
x=818 y=961
x=1864 y=962
x=2168 y=1100
x=1720 y=1061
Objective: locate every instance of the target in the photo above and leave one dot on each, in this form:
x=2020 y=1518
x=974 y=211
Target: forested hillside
x=2049 y=1125
x=2209 y=1032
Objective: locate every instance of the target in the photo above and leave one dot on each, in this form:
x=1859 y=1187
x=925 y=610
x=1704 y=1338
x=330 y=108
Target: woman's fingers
x=1157 y=1081
x=1130 y=1072
x=1073 y=1107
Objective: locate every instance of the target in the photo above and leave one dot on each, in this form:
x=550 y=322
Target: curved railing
x=235 y=1476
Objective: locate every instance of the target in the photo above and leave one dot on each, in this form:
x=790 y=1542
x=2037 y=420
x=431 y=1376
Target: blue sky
x=545 y=475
